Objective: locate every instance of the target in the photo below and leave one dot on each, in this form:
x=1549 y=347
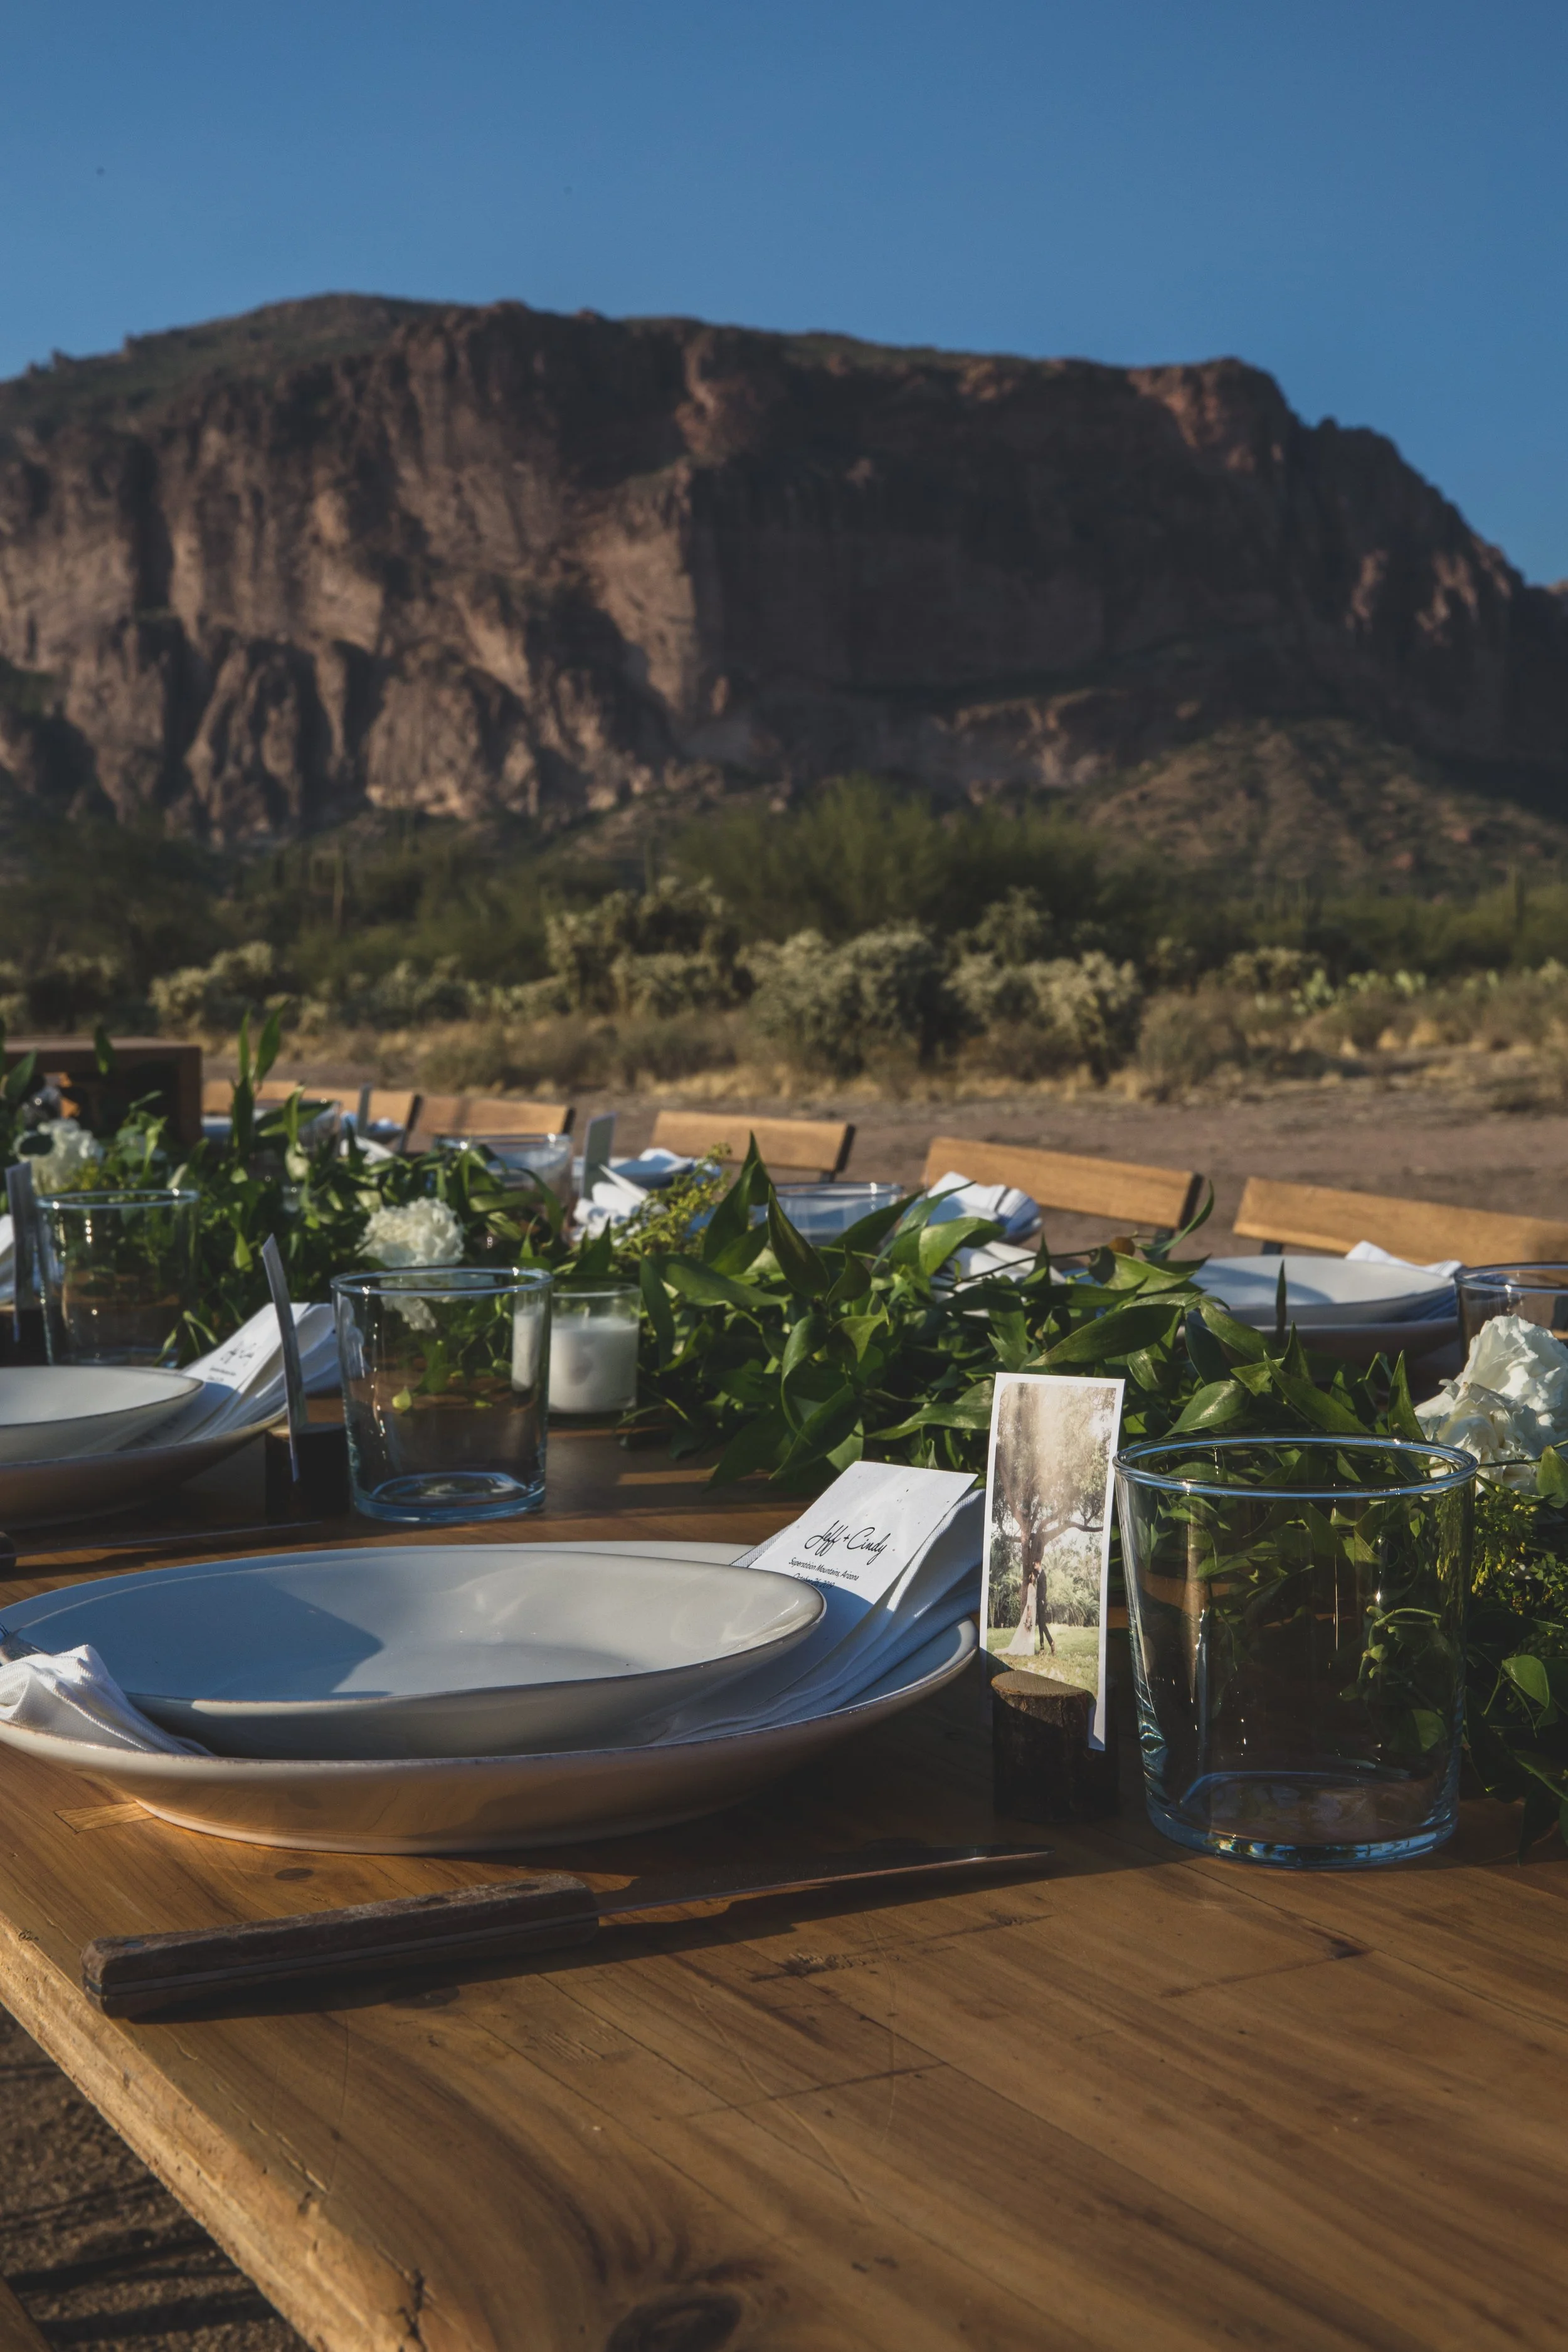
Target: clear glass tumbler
x=1537 y=1292
x=516 y=1160
x=1297 y=1607
x=445 y=1373
x=118 y=1271
x=593 y=1348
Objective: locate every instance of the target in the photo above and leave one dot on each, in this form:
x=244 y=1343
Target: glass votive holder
x=118 y=1271
x=446 y=1374
x=593 y=1348
x=1537 y=1291
x=517 y=1159
x=1297 y=1607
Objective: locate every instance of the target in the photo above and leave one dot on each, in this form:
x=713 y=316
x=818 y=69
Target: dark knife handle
x=133 y=1976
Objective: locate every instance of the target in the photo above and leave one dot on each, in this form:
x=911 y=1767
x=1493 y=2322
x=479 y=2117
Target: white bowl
x=52 y=1411
x=379 y=1650
x=1321 y=1290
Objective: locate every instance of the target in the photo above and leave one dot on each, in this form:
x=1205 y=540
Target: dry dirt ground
x=100 y=2253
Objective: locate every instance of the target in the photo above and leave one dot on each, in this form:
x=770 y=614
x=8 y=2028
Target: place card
x=1049 y=1487
x=869 y=1533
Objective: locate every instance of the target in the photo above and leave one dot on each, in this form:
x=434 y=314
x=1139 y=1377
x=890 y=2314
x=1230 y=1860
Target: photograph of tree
x=1047 y=1526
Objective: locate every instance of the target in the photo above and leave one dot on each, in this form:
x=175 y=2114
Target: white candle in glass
x=593 y=1352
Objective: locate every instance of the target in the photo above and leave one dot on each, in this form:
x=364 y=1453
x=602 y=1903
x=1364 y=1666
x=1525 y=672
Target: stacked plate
x=78 y=1439
x=1346 y=1305
x=427 y=1698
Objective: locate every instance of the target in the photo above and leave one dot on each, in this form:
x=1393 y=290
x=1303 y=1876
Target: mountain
x=351 y=554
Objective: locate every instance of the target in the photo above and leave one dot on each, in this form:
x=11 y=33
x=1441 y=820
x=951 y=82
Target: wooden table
x=1152 y=2101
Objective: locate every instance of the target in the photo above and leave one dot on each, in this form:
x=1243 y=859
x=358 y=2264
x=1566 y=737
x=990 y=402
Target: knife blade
x=140 y=1976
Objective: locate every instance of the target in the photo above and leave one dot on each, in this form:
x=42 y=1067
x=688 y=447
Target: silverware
x=12 y=1647
x=132 y=1976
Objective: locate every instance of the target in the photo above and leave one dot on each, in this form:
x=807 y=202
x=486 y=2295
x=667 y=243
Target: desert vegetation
x=862 y=936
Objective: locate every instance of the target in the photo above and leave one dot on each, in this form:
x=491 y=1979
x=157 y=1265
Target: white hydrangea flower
x=71 y=1154
x=423 y=1233
x=1510 y=1402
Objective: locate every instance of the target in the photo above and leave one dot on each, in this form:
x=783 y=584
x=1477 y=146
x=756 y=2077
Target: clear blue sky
x=1369 y=197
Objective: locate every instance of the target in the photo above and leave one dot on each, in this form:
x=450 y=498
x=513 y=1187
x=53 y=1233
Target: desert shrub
x=1064 y=1014
x=671 y=982
x=1017 y=927
x=1185 y=1039
x=218 y=995
x=1269 y=971
x=836 y=1008
x=669 y=949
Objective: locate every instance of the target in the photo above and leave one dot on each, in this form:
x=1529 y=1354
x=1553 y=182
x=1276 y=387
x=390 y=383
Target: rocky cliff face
x=351 y=554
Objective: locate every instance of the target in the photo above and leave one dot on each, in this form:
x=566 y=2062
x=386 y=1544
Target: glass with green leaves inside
x=118 y=1271
x=446 y=1374
x=1296 y=1607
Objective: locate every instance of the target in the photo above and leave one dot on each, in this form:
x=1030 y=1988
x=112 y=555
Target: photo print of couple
x=1048 y=1528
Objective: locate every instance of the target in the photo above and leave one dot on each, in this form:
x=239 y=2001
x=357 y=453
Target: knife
x=134 y=1976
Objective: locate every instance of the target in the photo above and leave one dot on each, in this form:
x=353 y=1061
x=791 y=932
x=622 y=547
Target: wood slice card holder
x=1043 y=1767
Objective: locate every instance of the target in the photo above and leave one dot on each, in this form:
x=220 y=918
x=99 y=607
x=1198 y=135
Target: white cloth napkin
x=612 y=1200
x=73 y=1695
x=1014 y=1211
x=1368 y=1254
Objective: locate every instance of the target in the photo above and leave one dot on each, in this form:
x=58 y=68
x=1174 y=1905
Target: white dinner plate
x=434 y=1649
x=486 y=1804
x=50 y=1413
x=84 y=1485
x=1329 y=1290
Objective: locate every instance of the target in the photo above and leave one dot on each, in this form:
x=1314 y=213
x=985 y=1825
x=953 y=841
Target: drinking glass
x=1538 y=1292
x=517 y=1157
x=118 y=1271
x=1297 y=1609
x=593 y=1348
x=825 y=1213
x=445 y=1371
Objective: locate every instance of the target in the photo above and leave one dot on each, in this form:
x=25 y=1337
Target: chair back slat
x=1316 y=1216
x=1122 y=1191
x=792 y=1148
x=485 y=1114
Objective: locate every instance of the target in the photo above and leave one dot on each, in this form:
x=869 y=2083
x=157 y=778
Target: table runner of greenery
x=779 y=1357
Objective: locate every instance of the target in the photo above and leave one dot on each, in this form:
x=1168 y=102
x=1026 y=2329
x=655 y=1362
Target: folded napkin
x=1014 y=1211
x=1368 y=1254
x=73 y=1695
x=612 y=1199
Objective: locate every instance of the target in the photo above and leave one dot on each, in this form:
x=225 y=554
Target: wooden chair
x=485 y=1114
x=396 y=1108
x=1122 y=1191
x=796 y=1149
x=1316 y=1217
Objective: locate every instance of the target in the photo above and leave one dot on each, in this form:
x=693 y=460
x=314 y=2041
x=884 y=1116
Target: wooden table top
x=1153 y=2100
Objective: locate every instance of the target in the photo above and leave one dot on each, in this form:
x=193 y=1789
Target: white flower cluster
x=72 y=1152
x=1510 y=1402
x=424 y=1233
